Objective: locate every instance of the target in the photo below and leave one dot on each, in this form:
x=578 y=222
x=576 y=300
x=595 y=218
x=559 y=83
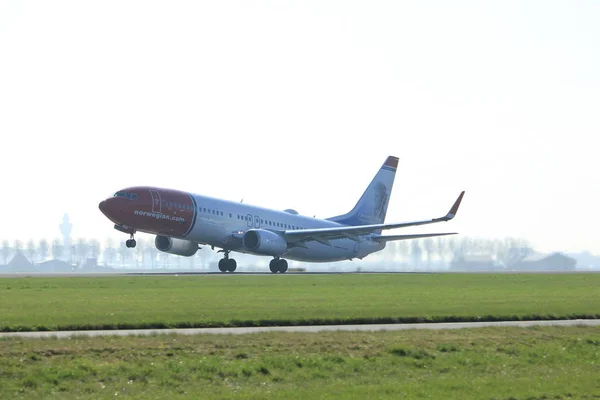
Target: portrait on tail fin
x=380 y=202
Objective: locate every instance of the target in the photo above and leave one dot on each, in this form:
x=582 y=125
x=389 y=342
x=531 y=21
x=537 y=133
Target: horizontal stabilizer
x=390 y=238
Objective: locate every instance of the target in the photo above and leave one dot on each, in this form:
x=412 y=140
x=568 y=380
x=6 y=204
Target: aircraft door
x=256 y=221
x=156 y=201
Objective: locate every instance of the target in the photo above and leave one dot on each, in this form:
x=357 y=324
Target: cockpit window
x=130 y=196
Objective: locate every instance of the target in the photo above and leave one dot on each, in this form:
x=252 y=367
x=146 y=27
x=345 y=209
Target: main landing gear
x=130 y=243
x=227 y=264
x=278 y=265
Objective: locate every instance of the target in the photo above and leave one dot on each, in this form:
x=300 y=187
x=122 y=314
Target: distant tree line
x=440 y=250
x=444 y=249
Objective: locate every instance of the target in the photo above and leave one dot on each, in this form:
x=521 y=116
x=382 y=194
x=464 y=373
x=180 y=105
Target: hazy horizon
x=297 y=104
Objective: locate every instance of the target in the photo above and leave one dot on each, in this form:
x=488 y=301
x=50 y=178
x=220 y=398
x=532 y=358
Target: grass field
x=213 y=300
x=484 y=363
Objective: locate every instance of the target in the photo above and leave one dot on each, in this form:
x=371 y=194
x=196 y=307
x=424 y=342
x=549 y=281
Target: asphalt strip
x=315 y=328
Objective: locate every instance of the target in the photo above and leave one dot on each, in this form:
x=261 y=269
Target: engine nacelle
x=175 y=246
x=261 y=241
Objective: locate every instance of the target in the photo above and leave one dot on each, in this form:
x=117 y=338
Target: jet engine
x=261 y=241
x=175 y=246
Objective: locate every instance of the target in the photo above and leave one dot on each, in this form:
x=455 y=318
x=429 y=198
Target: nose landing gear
x=130 y=243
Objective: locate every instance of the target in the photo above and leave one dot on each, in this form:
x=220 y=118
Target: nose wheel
x=130 y=243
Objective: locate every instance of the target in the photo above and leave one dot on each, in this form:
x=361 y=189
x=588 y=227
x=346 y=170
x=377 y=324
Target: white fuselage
x=217 y=220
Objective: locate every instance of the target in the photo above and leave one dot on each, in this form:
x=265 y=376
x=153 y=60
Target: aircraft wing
x=410 y=236
x=352 y=232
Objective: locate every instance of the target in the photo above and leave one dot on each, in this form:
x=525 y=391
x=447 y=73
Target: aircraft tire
x=223 y=265
x=283 y=266
x=231 y=265
x=274 y=266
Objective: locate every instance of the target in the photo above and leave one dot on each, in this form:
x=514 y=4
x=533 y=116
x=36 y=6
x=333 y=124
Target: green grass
x=202 y=301
x=484 y=363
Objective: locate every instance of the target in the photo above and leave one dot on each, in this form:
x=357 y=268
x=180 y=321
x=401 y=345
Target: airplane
x=183 y=221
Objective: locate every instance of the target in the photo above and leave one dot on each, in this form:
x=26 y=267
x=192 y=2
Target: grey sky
x=297 y=104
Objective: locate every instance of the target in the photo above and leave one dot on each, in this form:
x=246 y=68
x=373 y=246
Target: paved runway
x=318 y=328
x=254 y=273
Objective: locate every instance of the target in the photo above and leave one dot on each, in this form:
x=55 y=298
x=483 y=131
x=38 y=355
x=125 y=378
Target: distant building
x=54 y=266
x=475 y=262
x=545 y=262
x=586 y=260
x=65 y=229
x=19 y=263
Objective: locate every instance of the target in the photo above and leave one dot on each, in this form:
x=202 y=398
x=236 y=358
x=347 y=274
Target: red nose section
x=111 y=209
x=102 y=207
x=151 y=210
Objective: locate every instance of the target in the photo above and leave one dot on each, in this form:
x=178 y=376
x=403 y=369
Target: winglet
x=452 y=213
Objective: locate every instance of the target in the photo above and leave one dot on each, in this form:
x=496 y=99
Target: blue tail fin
x=373 y=204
